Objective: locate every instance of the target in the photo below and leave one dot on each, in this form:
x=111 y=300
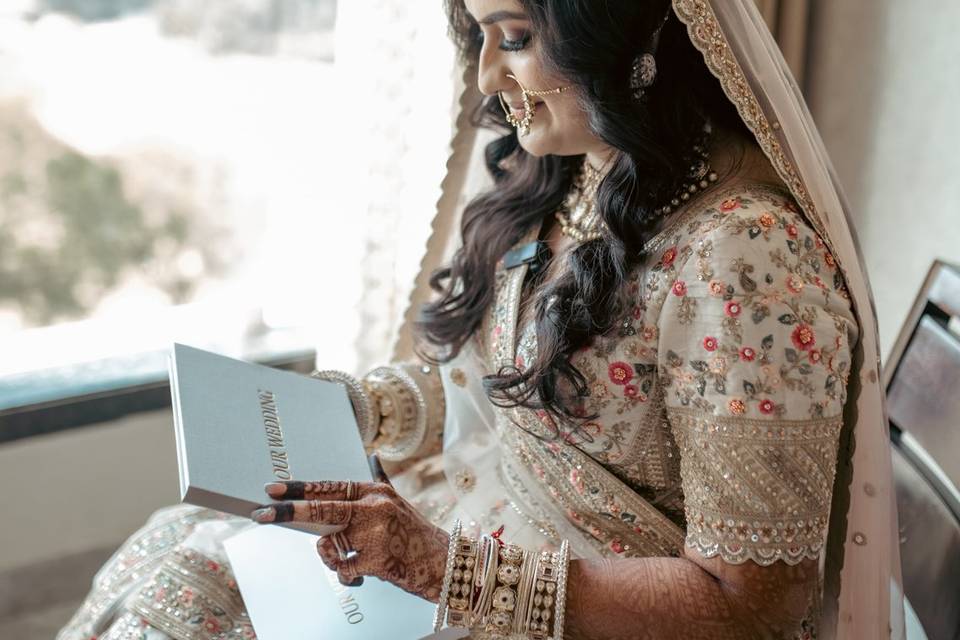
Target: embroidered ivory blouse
x=719 y=394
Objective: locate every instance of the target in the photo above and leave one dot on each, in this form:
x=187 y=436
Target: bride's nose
x=492 y=73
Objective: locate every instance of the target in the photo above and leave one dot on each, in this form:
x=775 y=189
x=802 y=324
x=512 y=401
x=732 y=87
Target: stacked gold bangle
x=461 y=589
x=507 y=590
x=391 y=405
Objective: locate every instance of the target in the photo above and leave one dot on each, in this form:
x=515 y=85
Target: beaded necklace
x=579 y=218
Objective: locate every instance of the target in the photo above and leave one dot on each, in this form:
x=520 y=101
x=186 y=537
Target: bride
x=647 y=401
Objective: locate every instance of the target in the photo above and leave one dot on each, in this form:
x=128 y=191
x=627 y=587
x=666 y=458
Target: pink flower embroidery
x=710 y=343
x=767 y=220
x=828 y=258
x=766 y=406
x=737 y=407
x=649 y=333
x=794 y=284
x=729 y=205
x=814 y=356
x=620 y=372
x=792 y=230
x=732 y=308
x=747 y=354
x=679 y=288
x=630 y=391
x=637 y=313
x=803 y=337
x=668 y=257
x=616 y=545
x=716 y=288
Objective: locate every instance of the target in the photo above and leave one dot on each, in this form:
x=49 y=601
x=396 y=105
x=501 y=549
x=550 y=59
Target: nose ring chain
x=523 y=123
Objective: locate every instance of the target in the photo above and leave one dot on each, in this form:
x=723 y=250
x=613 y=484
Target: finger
x=350 y=573
x=320 y=490
x=331 y=558
x=332 y=512
x=377 y=469
x=328 y=553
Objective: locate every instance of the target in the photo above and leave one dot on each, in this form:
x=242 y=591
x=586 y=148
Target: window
x=175 y=170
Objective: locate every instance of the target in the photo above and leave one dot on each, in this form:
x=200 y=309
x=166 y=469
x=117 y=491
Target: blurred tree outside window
x=164 y=157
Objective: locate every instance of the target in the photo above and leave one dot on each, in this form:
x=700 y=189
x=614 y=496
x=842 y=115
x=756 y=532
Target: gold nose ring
x=523 y=123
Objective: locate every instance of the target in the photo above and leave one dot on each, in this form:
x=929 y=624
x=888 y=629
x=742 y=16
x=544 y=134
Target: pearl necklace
x=579 y=218
x=699 y=178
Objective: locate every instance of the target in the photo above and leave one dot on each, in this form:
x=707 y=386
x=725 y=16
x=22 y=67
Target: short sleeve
x=754 y=356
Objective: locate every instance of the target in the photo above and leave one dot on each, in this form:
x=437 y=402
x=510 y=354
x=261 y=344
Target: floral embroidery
x=803 y=337
x=620 y=373
x=737 y=407
x=465 y=480
x=458 y=377
x=723 y=363
x=732 y=308
x=729 y=205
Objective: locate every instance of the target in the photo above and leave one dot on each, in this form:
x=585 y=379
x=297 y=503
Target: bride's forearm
x=665 y=598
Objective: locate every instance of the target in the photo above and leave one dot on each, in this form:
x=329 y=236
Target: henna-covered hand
x=392 y=540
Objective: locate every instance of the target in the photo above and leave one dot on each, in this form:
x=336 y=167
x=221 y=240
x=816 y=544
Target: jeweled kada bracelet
x=444 y=599
x=505 y=590
x=403 y=412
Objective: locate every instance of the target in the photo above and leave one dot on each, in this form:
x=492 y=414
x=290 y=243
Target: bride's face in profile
x=510 y=47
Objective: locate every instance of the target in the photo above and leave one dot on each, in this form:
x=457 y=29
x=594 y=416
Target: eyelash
x=508 y=45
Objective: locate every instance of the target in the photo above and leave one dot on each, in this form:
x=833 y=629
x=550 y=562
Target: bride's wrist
x=502 y=588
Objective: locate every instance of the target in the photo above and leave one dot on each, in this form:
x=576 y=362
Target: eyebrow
x=497 y=16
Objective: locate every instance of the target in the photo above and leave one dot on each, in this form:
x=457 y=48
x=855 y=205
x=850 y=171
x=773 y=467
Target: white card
x=291 y=595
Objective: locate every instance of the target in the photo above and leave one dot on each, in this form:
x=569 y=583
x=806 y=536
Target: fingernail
x=355 y=583
x=266 y=514
x=275 y=489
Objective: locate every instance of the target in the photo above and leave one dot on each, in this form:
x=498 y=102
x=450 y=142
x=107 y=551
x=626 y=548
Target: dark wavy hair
x=592 y=45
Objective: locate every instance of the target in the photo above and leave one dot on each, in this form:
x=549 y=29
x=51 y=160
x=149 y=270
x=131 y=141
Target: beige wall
x=84 y=489
x=884 y=87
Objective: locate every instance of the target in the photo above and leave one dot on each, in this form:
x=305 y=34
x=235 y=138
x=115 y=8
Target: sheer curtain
x=395 y=90
x=788 y=21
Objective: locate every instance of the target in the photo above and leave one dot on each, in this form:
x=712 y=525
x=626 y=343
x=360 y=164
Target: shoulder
x=745 y=232
x=730 y=209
